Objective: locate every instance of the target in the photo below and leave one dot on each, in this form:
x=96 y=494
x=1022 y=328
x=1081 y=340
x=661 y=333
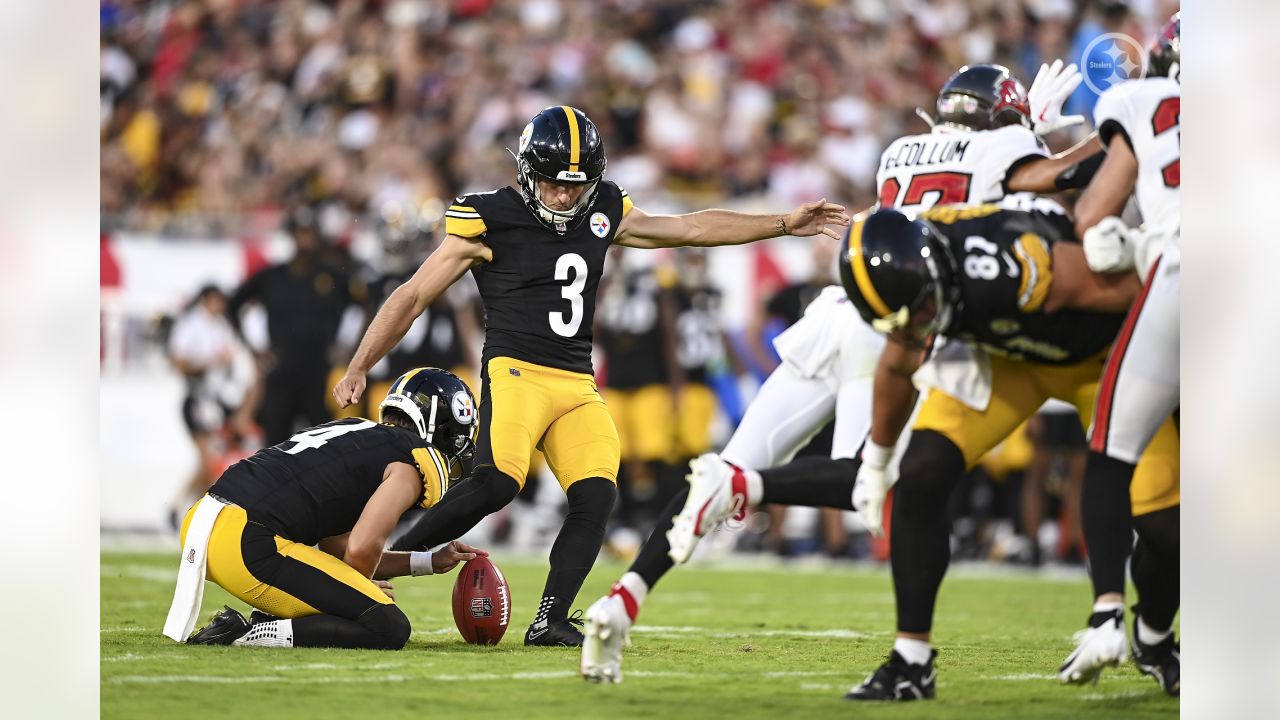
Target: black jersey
x=698 y=336
x=316 y=484
x=1004 y=263
x=631 y=331
x=539 y=291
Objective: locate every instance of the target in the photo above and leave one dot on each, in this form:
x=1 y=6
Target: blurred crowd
x=337 y=121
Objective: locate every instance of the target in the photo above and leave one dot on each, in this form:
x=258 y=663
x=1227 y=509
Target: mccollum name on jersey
x=926 y=151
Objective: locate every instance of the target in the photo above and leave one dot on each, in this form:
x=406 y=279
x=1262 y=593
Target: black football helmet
x=983 y=97
x=900 y=275
x=560 y=144
x=440 y=405
x=1165 y=57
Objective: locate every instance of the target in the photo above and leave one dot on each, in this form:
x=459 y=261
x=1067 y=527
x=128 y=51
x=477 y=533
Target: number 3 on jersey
x=569 y=262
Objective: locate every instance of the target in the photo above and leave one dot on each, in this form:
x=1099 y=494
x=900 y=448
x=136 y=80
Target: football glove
x=1048 y=93
x=1108 y=247
x=871 y=487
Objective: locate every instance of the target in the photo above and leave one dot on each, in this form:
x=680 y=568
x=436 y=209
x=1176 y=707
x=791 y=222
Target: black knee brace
x=387 y=625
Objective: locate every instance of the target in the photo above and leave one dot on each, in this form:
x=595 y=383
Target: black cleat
x=559 y=633
x=226 y=627
x=1161 y=661
x=898 y=680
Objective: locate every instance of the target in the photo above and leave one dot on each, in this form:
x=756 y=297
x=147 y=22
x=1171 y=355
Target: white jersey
x=1146 y=113
x=949 y=165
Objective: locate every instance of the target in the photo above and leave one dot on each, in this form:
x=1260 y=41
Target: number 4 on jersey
x=315 y=437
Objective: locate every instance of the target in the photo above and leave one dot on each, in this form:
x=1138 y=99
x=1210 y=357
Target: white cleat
x=711 y=501
x=607 y=632
x=1096 y=648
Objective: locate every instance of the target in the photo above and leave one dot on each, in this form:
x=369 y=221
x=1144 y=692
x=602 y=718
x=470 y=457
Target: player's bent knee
x=1160 y=530
x=388 y=625
x=494 y=489
x=594 y=495
x=931 y=463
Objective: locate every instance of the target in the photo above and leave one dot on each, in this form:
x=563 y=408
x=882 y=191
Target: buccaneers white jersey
x=1146 y=113
x=949 y=165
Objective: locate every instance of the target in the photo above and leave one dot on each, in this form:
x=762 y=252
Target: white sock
x=916 y=652
x=1147 y=636
x=274 y=633
x=635 y=585
x=1107 y=606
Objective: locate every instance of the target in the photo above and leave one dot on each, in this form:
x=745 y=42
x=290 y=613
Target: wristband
x=876 y=456
x=420 y=563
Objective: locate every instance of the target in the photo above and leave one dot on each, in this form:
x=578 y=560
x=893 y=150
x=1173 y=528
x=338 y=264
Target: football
x=481 y=602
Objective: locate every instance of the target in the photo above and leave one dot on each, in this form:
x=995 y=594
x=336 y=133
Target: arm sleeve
x=626 y=201
x=1112 y=114
x=1012 y=147
x=435 y=475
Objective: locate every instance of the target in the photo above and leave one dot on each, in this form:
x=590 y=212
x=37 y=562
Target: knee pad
x=592 y=496
x=388 y=625
x=930 y=466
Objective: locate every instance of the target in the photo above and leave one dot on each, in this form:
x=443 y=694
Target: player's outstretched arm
x=454 y=257
x=401 y=486
x=1111 y=186
x=709 y=228
x=1067 y=170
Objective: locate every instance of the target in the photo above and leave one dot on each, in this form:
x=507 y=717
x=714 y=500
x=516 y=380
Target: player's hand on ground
x=349 y=389
x=1049 y=92
x=448 y=557
x=869 y=491
x=816 y=217
x=386 y=587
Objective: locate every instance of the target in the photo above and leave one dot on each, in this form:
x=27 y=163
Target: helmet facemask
x=528 y=180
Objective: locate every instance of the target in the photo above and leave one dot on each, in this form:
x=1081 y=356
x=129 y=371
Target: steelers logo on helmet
x=599 y=224
x=562 y=147
x=463 y=410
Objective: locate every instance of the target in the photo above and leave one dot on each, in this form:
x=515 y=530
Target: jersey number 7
x=952 y=187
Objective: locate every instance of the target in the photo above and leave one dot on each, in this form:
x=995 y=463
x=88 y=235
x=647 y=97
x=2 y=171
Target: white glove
x=871 y=487
x=1049 y=91
x=1108 y=247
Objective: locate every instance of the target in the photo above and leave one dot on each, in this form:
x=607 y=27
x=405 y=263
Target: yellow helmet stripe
x=404 y=380
x=860 y=276
x=574 y=142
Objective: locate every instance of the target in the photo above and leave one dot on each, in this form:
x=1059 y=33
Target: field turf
x=743 y=642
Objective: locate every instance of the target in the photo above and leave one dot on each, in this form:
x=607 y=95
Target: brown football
x=481 y=602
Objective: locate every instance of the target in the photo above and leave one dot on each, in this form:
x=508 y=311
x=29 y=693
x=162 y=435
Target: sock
x=576 y=547
x=653 y=561
x=1155 y=567
x=916 y=652
x=274 y=633
x=466 y=504
x=633 y=590
x=920 y=543
x=810 y=482
x=1147 y=636
x=749 y=483
x=1105 y=612
x=1107 y=607
x=1107 y=517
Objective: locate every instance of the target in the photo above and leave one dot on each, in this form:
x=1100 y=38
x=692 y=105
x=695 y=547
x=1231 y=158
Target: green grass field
x=744 y=643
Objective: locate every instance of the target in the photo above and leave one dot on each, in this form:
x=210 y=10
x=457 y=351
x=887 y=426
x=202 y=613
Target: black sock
x=920 y=548
x=653 y=561
x=811 y=482
x=382 y=627
x=576 y=547
x=1155 y=567
x=466 y=504
x=1106 y=515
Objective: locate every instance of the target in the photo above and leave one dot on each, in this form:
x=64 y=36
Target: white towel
x=189 y=592
x=959 y=370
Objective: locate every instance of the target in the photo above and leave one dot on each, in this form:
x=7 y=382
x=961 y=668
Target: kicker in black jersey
x=539 y=291
x=316 y=484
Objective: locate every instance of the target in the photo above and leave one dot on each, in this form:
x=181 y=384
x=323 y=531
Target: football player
x=341 y=485
x=983 y=143
x=1139 y=121
x=537 y=251
x=1008 y=282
